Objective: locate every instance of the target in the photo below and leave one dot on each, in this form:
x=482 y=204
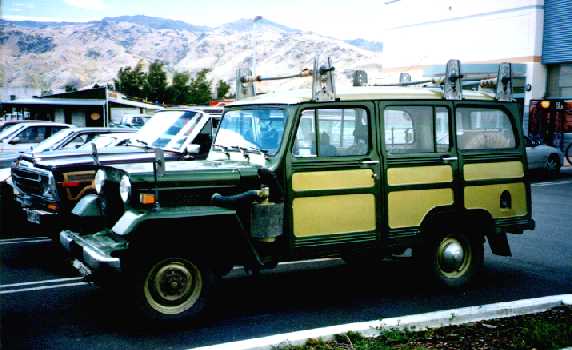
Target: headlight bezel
x=125 y=188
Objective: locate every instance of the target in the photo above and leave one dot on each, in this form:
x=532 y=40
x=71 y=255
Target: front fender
x=132 y=219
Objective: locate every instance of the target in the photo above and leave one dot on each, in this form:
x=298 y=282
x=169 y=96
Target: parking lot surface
x=44 y=304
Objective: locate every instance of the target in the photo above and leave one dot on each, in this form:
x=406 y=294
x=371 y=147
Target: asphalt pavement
x=45 y=305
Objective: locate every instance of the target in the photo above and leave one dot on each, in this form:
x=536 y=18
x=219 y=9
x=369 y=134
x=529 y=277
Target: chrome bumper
x=91 y=256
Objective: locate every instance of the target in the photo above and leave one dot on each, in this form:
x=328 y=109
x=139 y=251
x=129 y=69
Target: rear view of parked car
x=24 y=136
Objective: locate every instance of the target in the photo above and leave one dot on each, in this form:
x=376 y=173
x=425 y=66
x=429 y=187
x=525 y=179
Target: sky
x=342 y=19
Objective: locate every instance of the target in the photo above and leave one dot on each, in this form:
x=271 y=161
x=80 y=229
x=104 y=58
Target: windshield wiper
x=130 y=142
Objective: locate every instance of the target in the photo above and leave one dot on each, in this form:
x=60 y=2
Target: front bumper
x=94 y=251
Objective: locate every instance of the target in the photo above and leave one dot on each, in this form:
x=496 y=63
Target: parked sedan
x=543 y=157
x=24 y=136
x=66 y=139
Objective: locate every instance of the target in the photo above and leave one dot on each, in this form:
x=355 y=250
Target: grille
x=29 y=182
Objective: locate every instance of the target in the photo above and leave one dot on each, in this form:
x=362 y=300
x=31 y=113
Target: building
x=534 y=35
x=89 y=107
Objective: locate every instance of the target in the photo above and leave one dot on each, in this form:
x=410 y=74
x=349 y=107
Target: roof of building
x=362 y=93
x=53 y=101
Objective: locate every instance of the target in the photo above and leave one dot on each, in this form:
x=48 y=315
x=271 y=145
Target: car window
x=33 y=134
x=78 y=141
x=416 y=129
x=336 y=132
x=484 y=128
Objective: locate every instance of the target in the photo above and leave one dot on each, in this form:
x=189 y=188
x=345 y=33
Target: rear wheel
x=568 y=154
x=452 y=259
x=173 y=288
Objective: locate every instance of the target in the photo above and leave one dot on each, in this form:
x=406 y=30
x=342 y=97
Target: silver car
x=23 y=136
x=543 y=157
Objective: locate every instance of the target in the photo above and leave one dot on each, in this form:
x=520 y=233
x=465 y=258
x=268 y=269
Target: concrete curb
x=414 y=322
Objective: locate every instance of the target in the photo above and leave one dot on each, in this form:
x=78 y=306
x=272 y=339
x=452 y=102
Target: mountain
x=375 y=46
x=47 y=55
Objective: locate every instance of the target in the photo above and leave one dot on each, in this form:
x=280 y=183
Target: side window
x=409 y=129
x=33 y=134
x=335 y=132
x=442 y=129
x=484 y=128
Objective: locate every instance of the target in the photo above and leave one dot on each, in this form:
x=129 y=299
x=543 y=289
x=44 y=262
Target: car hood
x=107 y=156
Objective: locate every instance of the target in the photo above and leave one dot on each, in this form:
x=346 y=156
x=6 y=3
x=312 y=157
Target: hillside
x=47 y=55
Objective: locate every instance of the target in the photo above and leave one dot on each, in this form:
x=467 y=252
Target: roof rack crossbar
x=323 y=84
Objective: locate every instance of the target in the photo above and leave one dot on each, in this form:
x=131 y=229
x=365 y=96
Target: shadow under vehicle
x=48 y=185
x=359 y=173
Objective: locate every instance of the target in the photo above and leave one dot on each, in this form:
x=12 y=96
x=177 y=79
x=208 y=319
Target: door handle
x=370 y=162
x=449 y=159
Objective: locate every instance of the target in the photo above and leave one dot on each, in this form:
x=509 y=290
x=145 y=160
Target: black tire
x=173 y=288
x=455 y=272
x=552 y=165
x=568 y=153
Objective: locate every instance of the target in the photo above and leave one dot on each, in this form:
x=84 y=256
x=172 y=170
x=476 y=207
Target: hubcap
x=551 y=164
x=173 y=286
x=453 y=257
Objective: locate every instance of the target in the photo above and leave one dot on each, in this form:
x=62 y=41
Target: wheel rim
x=551 y=164
x=173 y=286
x=453 y=257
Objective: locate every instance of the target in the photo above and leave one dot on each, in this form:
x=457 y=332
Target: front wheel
x=452 y=259
x=552 y=165
x=173 y=288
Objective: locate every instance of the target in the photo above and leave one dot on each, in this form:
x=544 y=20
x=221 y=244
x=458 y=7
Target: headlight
x=50 y=189
x=99 y=180
x=124 y=188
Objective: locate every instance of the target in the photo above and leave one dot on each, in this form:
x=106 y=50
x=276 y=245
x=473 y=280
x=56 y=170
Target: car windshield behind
x=168 y=130
x=10 y=131
x=49 y=143
x=106 y=140
x=253 y=128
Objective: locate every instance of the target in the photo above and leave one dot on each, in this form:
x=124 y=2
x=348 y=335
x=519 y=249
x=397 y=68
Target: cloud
x=94 y=5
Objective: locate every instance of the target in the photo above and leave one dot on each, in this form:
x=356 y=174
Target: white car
x=24 y=136
x=543 y=157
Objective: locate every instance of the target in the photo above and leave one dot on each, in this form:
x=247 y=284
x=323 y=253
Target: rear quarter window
x=484 y=128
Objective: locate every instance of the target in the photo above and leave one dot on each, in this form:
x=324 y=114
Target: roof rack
x=452 y=81
x=323 y=81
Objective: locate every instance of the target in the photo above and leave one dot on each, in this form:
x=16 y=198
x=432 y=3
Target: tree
x=200 y=88
x=72 y=85
x=179 y=92
x=130 y=80
x=222 y=89
x=155 y=87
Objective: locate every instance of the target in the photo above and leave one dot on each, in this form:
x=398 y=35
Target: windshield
x=168 y=130
x=106 y=140
x=48 y=143
x=9 y=131
x=260 y=128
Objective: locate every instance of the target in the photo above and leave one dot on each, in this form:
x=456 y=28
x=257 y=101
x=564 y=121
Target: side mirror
x=193 y=149
x=14 y=141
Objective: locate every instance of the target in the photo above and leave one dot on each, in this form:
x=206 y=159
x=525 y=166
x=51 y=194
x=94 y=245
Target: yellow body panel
x=326 y=215
x=488 y=197
x=408 y=208
x=419 y=175
x=500 y=170
x=332 y=180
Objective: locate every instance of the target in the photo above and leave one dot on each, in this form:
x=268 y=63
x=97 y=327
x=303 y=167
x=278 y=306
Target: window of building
x=337 y=132
x=484 y=128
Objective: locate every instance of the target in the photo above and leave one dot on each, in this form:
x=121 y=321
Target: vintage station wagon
x=364 y=172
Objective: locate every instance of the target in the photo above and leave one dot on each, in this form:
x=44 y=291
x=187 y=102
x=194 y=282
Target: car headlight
x=50 y=189
x=99 y=180
x=124 y=188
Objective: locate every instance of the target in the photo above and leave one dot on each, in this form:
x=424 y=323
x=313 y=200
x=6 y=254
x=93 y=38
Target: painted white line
x=550 y=183
x=40 y=282
x=28 y=241
x=21 y=239
x=412 y=322
x=12 y=291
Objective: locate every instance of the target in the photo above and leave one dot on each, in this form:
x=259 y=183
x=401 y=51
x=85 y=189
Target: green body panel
x=132 y=219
